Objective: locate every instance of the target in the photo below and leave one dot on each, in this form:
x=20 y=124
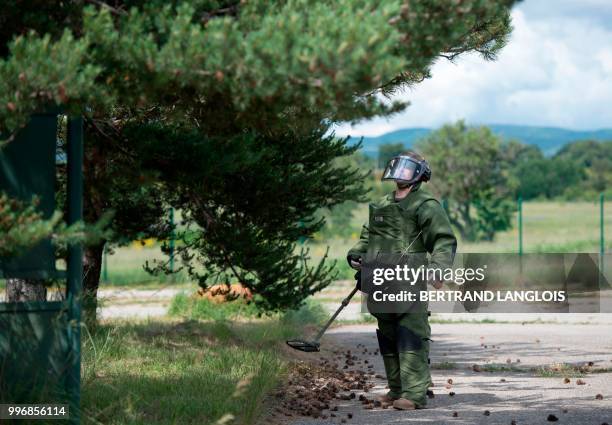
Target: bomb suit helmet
x=407 y=168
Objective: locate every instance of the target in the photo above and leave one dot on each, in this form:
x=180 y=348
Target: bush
x=203 y=309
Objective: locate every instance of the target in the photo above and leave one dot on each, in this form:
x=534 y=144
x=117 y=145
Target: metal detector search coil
x=307 y=346
x=313 y=346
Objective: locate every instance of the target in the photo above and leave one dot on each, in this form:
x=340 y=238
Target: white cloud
x=555 y=71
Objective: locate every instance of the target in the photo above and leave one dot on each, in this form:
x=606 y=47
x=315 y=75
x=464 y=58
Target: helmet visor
x=401 y=168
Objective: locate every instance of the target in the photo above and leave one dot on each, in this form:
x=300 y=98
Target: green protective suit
x=416 y=224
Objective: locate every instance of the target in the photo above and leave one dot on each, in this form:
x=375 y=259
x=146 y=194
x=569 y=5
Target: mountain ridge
x=549 y=139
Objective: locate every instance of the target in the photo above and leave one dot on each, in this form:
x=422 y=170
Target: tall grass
x=189 y=372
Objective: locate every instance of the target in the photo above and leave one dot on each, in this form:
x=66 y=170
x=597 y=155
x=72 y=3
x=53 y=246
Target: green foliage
x=313 y=55
x=469 y=174
x=252 y=199
x=216 y=108
x=594 y=162
x=580 y=170
x=337 y=218
x=204 y=309
x=22 y=226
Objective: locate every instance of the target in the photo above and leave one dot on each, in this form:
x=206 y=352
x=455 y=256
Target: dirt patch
x=314 y=382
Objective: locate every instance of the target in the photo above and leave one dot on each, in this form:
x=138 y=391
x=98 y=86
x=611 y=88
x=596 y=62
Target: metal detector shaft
x=331 y=319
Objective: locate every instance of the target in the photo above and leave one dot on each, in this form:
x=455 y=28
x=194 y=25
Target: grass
x=125 y=266
x=199 y=308
x=563 y=370
x=444 y=366
x=566 y=370
x=548 y=226
x=185 y=371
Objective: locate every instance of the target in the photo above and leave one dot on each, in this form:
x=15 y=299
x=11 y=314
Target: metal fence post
x=75 y=263
x=520 y=225
x=105 y=265
x=602 y=241
x=171 y=245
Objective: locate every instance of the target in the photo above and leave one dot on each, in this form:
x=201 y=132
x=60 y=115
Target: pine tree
x=221 y=108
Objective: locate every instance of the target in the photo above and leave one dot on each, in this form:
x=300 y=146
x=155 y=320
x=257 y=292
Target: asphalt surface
x=524 y=397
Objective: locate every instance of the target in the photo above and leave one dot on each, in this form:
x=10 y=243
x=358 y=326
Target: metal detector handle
x=331 y=319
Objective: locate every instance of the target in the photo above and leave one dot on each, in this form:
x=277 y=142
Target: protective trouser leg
x=415 y=377
x=412 y=336
x=388 y=349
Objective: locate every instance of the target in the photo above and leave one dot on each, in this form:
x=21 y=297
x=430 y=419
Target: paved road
x=524 y=397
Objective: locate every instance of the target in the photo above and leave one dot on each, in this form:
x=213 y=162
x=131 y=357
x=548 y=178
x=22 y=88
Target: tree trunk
x=19 y=290
x=468 y=232
x=92 y=265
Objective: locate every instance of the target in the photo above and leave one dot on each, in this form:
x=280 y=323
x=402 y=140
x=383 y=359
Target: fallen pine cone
x=580 y=382
x=502 y=380
x=567 y=381
x=487 y=413
x=552 y=418
x=599 y=397
x=455 y=414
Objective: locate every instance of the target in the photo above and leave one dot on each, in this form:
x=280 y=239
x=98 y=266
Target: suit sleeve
x=438 y=236
x=361 y=247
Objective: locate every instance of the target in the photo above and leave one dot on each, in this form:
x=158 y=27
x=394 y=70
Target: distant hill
x=549 y=139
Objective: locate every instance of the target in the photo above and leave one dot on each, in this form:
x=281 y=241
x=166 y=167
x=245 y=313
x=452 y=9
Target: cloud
x=555 y=71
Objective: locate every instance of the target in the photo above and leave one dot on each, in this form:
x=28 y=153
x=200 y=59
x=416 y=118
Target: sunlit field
x=547 y=227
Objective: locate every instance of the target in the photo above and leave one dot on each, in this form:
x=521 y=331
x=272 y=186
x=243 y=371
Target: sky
x=555 y=71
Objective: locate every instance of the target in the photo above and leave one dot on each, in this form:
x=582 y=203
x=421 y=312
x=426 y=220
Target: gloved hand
x=354 y=261
x=358 y=279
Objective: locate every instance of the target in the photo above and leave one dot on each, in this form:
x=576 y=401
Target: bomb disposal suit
x=417 y=225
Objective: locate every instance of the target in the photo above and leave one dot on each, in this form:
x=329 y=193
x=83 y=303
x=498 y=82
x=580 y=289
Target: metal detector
x=313 y=346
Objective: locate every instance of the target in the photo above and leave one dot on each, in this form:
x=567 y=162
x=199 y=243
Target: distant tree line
x=479 y=176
